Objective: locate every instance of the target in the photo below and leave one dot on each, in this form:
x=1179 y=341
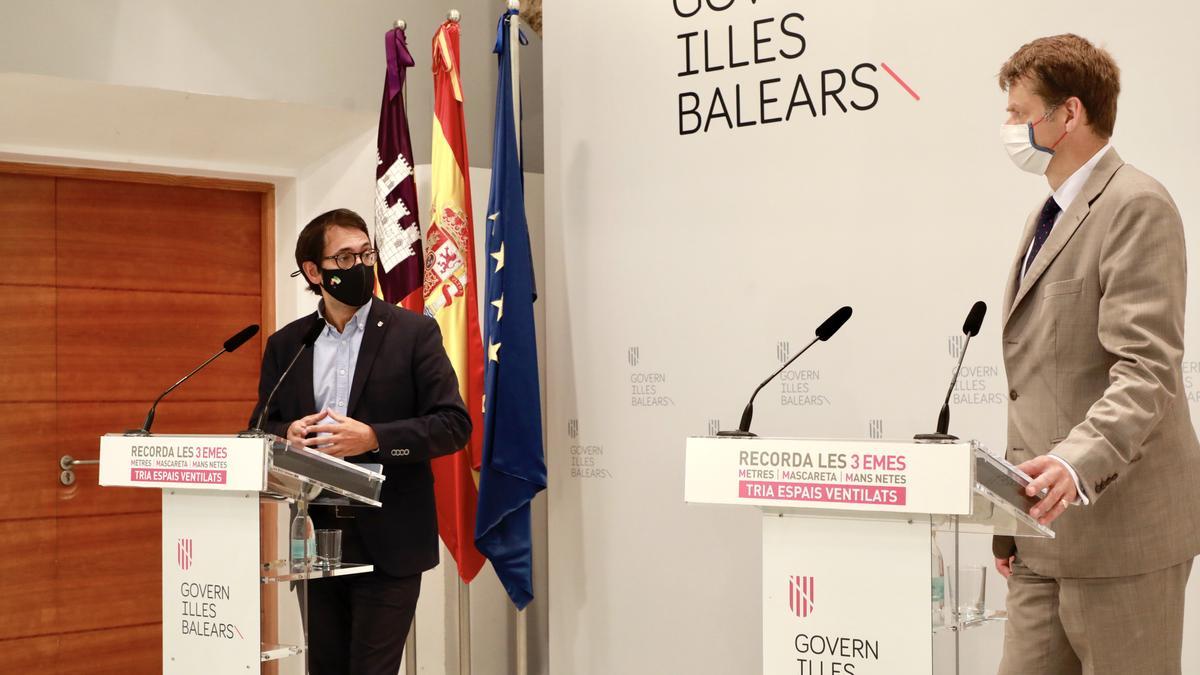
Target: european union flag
x=513 y=469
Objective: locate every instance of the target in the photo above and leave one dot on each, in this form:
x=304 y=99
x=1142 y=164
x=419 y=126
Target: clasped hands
x=346 y=437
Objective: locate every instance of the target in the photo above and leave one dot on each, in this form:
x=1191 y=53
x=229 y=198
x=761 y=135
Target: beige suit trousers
x=1095 y=626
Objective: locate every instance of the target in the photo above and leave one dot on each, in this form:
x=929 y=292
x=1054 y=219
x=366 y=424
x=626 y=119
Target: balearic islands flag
x=513 y=468
x=450 y=296
x=397 y=232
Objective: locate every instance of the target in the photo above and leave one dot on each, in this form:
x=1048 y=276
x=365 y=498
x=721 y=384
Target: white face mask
x=1023 y=150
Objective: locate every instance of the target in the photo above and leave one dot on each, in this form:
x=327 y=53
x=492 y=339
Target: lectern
x=214 y=565
x=848 y=530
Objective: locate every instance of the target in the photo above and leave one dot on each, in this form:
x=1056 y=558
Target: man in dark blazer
x=376 y=387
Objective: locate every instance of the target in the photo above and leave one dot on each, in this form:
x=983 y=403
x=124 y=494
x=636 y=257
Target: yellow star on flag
x=499 y=256
x=494 y=351
x=499 y=304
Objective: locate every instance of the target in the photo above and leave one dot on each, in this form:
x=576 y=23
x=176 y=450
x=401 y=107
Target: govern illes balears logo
x=875 y=429
x=801 y=594
x=183 y=553
x=740 y=69
x=954 y=345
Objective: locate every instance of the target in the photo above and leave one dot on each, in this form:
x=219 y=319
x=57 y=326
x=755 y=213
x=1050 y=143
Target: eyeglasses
x=345 y=260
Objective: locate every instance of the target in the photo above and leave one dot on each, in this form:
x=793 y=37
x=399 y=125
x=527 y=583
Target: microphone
x=230 y=345
x=824 y=332
x=970 y=329
x=310 y=337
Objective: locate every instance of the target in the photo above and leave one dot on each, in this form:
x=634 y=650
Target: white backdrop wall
x=685 y=265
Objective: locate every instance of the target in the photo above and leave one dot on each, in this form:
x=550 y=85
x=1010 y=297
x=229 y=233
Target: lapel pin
x=380 y=324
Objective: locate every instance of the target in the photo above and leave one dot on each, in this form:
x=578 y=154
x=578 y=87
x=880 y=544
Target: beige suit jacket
x=1093 y=349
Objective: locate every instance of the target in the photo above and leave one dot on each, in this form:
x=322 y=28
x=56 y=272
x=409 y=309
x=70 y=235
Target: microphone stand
x=145 y=430
x=943 y=424
x=743 y=430
x=257 y=430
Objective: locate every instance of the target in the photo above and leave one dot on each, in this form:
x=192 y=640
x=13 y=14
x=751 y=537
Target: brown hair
x=1062 y=66
x=310 y=245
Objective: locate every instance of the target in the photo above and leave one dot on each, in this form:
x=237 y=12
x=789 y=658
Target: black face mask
x=352 y=287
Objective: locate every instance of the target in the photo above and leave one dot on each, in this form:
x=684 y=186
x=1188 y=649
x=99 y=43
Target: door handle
x=66 y=465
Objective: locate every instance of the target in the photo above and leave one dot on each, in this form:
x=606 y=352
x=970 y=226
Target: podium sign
x=872 y=476
x=210 y=589
x=198 y=462
x=830 y=607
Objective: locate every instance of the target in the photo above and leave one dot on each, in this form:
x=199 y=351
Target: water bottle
x=303 y=542
x=937 y=575
x=310 y=554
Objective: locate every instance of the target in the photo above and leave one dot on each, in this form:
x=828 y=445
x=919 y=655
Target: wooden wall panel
x=27 y=339
x=109 y=572
x=28 y=462
x=134 y=650
x=27 y=574
x=121 y=651
x=131 y=345
x=27 y=229
x=125 y=283
x=29 y=655
x=267 y=294
x=80 y=426
x=162 y=237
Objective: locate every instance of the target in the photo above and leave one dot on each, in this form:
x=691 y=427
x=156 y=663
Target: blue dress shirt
x=334 y=357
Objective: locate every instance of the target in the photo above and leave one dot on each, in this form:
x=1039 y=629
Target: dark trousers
x=357 y=624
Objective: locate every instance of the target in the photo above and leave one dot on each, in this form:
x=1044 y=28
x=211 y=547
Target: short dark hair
x=310 y=245
x=1062 y=66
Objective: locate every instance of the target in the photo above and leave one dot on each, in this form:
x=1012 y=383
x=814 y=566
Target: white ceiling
x=42 y=116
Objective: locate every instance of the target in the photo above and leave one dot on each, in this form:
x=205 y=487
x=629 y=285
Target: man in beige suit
x=1093 y=344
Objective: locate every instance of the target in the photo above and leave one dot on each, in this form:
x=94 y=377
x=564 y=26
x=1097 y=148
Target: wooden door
x=112 y=286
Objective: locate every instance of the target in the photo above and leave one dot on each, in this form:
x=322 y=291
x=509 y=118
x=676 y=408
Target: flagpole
x=410 y=640
x=522 y=642
x=464 y=627
x=514 y=42
x=464 y=591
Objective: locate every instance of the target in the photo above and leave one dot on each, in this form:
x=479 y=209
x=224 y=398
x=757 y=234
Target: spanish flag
x=450 y=297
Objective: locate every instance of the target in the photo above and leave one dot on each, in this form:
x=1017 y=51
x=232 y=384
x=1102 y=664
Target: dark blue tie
x=1045 y=223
